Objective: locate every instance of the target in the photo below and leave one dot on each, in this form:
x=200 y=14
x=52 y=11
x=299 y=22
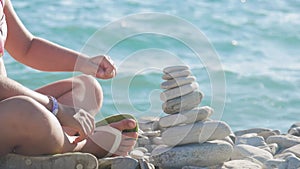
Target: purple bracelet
x=54 y=105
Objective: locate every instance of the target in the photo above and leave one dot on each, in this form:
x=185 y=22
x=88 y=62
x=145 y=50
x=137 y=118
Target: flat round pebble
x=186 y=117
x=183 y=103
x=142 y=149
x=172 y=75
x=179 y=91
x=175 y=68
x=137 y=154
x=180 y=81
x=152 y=133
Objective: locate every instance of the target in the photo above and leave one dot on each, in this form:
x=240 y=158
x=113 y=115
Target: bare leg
x=85 y=92
x=80 y=91
x=30 y=129
x=26 y=127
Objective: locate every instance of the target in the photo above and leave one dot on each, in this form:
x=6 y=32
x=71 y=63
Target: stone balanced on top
x=189 y=137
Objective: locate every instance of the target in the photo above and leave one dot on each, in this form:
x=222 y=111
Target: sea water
x=257 y=43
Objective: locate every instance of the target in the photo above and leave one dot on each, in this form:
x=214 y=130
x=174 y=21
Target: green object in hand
x=116 y=118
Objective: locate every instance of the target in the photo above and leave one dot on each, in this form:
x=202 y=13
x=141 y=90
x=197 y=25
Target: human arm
x=43 y=55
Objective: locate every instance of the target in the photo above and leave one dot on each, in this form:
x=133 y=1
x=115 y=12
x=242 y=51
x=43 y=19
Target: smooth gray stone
x=293 y=163
x=148 y=123
x=145 y=165
x=183 y=103
x=276 y=164
x=198 y=132
x=266 y=134
x=295 y=125
x=228 y=140
x=176 y=82
x=274 y=148
x=240 y=164
x=172 y=75
x=118 y=163
x=142 y=149
x=243 y=151
x=157 y=141
x=178 y=91
x=294 y=149
x=186 y=117
x=175 y=68
x=294 y=131
x=205 y=154
x=253 y=130
x=143 y=141
x=152 y=133
x=253 y=141
x=284 y=141
x=284 y=156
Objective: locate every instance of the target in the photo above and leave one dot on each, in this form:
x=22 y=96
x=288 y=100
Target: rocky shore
x=185 y=138
x=256 y=148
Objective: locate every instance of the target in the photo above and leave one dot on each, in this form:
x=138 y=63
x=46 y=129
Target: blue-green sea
x=256 y=41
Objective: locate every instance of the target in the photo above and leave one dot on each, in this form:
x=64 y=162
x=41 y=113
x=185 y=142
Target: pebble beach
x=185 y=138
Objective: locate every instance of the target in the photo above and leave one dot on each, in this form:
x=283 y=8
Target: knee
x=92 y=88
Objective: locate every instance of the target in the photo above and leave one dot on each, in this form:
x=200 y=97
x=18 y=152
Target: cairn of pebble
x=187 y=139
x=187 y=135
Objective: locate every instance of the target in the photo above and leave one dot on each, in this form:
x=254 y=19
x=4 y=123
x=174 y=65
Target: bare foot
x=110 y=140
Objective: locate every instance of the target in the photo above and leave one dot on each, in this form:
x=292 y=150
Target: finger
x=124 y=124
x=108 y=65
x=83 y=130
x=106 y=73
x=79 y=139
x=109 y=68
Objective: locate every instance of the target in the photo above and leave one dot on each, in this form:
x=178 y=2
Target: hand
x=100 y=66
x=77 y=119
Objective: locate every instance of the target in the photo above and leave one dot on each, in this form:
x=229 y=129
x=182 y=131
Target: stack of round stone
x=189 y=138
x=181 y=90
